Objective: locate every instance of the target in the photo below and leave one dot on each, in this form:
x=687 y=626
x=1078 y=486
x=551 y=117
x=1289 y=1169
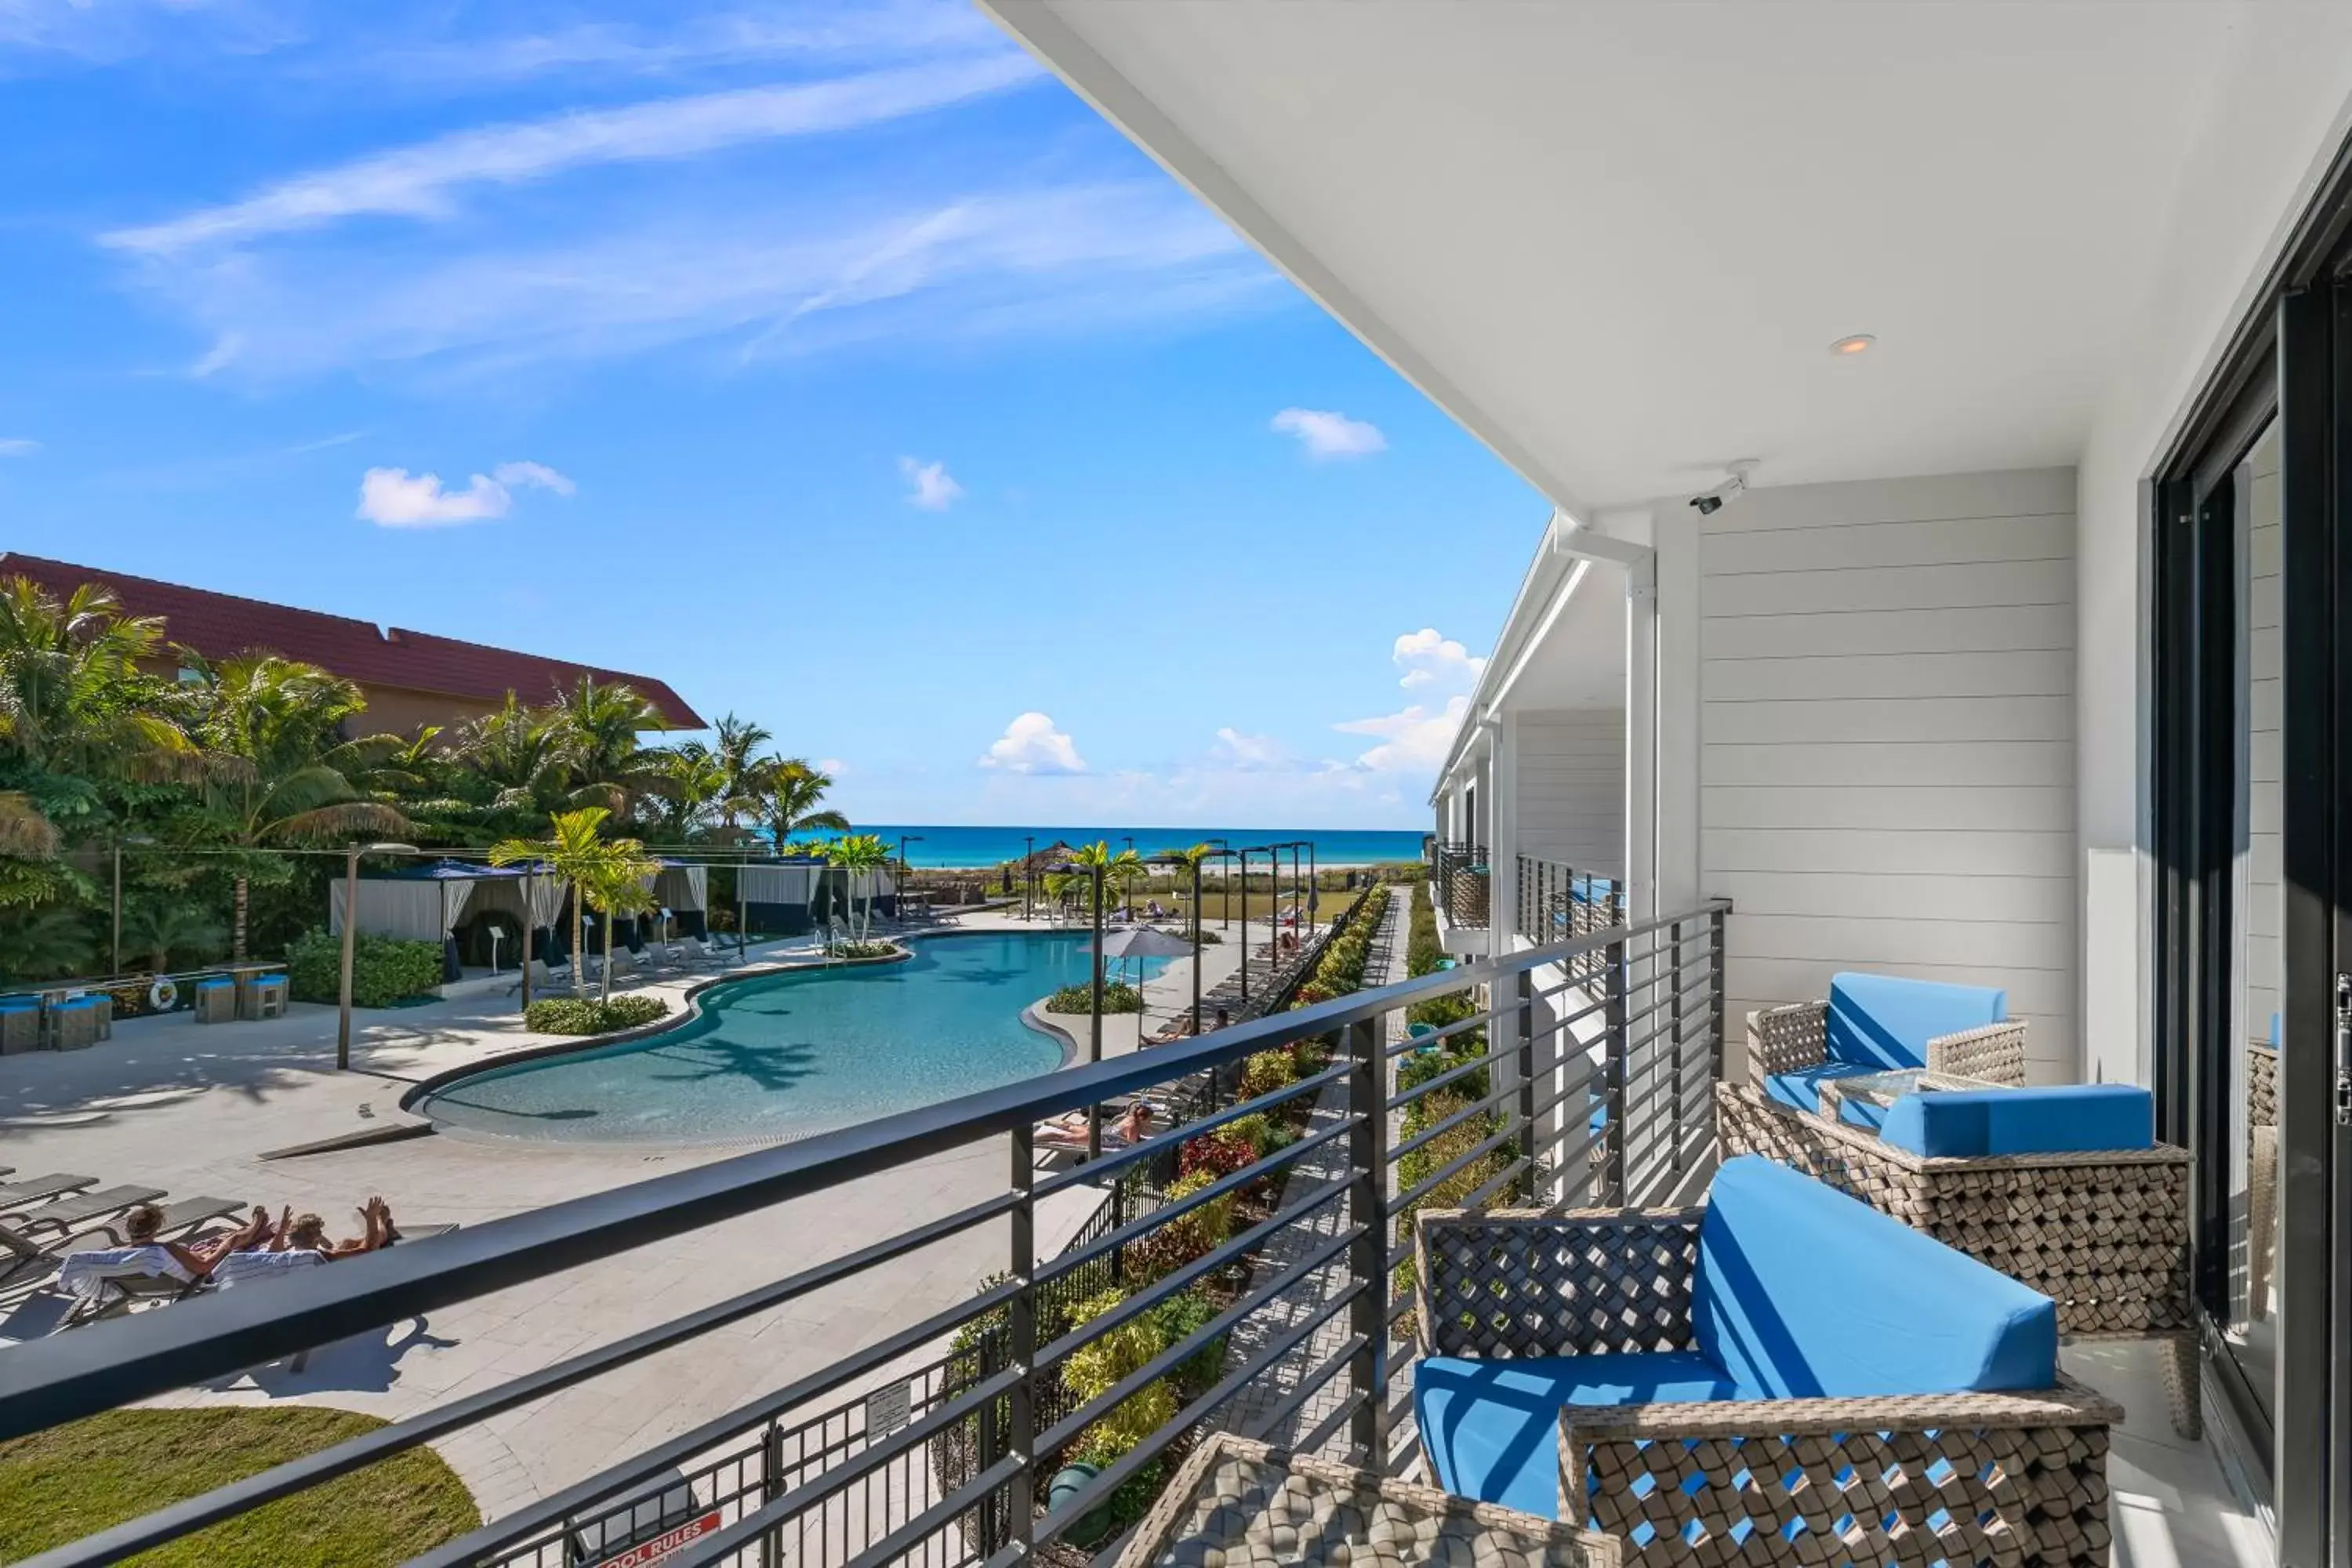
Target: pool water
x=787 y=1056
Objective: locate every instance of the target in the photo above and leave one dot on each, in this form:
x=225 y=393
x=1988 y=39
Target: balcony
x=1461 y=882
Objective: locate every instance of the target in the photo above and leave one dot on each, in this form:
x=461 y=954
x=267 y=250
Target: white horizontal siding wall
x=1887 y=739
x=1571 y=788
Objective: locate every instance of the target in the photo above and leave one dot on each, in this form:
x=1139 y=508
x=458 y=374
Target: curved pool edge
x=689 y=1009
x=1036 y=1017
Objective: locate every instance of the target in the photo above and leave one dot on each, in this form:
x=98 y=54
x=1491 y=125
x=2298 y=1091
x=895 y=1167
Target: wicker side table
x=2103 y=1233
x=1242 y=1504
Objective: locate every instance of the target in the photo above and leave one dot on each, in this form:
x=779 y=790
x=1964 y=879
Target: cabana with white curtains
x=429 y=902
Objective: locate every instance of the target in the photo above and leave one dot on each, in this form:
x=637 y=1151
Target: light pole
x=905 y=871
x=1126 y=882
x=1244 y=856
x=1094 y=1032
x=121 y=839
x=1173 y=859
x=350 y=938
x=1225 y=914
x=1028 y=870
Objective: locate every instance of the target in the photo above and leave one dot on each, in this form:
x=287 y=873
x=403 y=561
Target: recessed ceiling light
x=1858 y=343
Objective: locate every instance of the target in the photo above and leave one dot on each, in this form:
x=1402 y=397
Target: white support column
x=1676 y=827
x=1502 y=840
x=1641 y=740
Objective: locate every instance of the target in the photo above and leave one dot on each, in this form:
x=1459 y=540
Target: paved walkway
x=1256 y=1412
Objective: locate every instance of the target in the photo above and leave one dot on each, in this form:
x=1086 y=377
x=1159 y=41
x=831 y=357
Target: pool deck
x=193 y=1108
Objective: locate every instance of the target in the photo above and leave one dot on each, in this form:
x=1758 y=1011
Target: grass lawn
x=61 y=1485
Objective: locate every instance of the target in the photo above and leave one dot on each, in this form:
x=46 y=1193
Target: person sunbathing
x=308 y=1233
x=175 y=1260
x=1131 y=1127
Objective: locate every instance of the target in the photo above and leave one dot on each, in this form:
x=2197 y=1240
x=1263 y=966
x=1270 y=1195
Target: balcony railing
x=1460 y=872
x=935 y=1443
x=1558 y=903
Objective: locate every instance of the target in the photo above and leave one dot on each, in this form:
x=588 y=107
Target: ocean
x=963 y=847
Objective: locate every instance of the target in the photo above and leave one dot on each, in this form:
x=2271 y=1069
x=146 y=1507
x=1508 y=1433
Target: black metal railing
x=1462 y=875
x=1513 y=1086
x=1556 y=902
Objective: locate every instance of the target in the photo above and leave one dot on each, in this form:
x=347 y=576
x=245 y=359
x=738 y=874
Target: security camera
x=1706 y=503
x=1709 y=502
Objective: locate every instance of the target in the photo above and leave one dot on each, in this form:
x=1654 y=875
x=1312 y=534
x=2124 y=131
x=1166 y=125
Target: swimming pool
x=787 y=1056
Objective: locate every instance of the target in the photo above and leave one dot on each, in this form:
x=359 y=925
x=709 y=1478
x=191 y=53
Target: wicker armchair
x=2104 y=1234
x=1796 y=1036
x=1804 y=1481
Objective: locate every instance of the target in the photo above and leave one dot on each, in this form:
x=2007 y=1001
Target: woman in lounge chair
x=308 y=1233
x=1131 y=1127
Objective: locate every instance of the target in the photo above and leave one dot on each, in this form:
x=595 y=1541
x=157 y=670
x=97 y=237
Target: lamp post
x=1128 y=883
x=1225 y=914
x=1244 y=855
x=351 y=937
x=1095 y=1021
x=115 y=957
x=1028 y=871
x=1172 y=860
x=906 y=872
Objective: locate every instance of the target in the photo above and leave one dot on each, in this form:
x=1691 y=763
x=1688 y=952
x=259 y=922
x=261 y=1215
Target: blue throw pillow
x=1886 y=1021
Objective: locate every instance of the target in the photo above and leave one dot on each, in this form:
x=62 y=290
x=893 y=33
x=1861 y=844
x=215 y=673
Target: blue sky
x=833 y=364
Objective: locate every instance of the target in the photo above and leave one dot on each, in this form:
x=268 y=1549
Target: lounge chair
x=67 y=1214
x=33 y=1189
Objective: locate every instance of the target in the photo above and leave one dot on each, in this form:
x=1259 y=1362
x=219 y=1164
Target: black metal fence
x=1556 y=902
x=1463 y=878
x=916 y=1449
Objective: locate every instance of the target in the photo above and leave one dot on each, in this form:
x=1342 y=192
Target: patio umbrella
x=1143 y=941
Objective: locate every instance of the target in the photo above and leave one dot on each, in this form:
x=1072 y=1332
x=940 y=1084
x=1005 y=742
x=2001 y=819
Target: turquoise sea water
x=964 y=847
x=786 y=1055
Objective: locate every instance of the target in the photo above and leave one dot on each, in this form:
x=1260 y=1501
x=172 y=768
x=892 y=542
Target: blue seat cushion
x=1884 y=1021
x=1804 y=1292
x=1492 y=1427
x=2058 y=1118
x=1801 y=1089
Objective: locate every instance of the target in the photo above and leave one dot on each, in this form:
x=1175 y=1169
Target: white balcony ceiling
x=1616 y=240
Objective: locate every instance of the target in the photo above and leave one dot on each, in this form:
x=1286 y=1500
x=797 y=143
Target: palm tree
x=1115 y=870
x=740 y=739
x=279 y=771
x=621 y=886
x=573 y=852
x=46 y=944
x=785 y=793
x=162 y=926
x=862 y=855
x=1189 y=861
x=597 y=727
x=74 y=704
x=689 y=781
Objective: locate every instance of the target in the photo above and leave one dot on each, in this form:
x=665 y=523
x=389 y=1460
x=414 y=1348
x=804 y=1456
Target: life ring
x=163 y=996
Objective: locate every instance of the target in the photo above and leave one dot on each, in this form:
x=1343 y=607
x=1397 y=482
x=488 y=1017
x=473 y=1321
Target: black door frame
x=2291 y=359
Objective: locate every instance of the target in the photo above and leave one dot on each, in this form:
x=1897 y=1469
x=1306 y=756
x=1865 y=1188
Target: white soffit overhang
x=1616 y=240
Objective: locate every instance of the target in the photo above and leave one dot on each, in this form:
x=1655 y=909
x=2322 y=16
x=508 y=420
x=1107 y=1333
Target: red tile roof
x=221 y=625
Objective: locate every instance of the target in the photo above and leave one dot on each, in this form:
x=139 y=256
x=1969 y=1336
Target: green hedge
x=1117 y=998
x=1421 y=952
x=384 y=969
x=586 y=1015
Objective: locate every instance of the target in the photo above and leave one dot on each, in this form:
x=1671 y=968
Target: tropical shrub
x=1420 y=1067
x=1117 y=998
x=1179 y=1318
x=586 y=1015
x=861 y=949
x=384 y=969
x=1267 y=1071
x=1094 y=1369
x=1422 y=949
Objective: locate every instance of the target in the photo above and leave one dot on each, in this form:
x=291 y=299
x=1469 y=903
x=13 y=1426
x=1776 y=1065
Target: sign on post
x=886 y=1410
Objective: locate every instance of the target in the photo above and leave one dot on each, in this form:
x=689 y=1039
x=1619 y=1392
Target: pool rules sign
x=667 y=1541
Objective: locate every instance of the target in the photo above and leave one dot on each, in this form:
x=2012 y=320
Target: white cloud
x=1414 y=740
x=395 y=498
x=1326 y=434
x=1031 y=744
x=933 y=487
x=771 y=279
x=1247 y=754
x=540 y=474
x=1430 y=658
x=18 y=447
x=422 y=181
x=831 y=767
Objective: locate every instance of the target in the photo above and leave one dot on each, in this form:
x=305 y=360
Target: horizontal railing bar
x=1435 y=1129
x=723 y=1542
x=1406 y=1200
x=1177 y=1354
x=1093 y=1170
x=1330 y=1423
x=581 y=1495
x=169 y=1523
x=1116 y=1474
x=1070 y=1262
x=1310 y=1385
x=1439 y=1036
x=940 y=1514
x=1169 y=1284
x=1462 y=1068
